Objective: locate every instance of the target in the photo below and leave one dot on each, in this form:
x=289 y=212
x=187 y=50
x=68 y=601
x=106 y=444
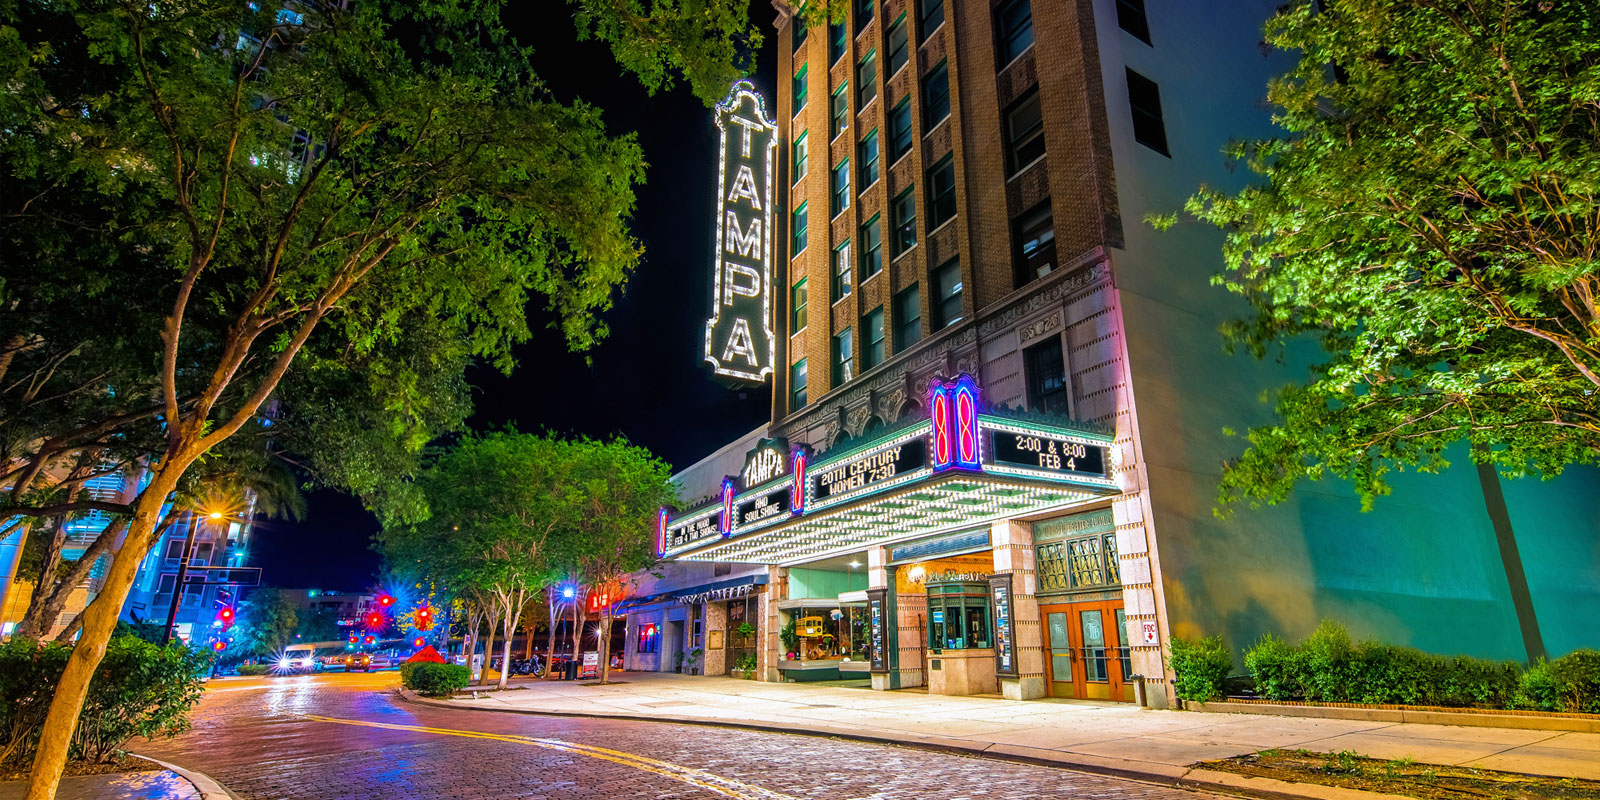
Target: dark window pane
x=841 y=187
x=872 y=346
x=797 y=385
x=799 y=226
x=941 y=192
x=935 y=96
x=838 y=36
x=900 y=130
x=1144 y=98
x=907 y=318
x=903 y=215
x=899 y=45
x=864 y=9
x=802 y=153
x=798 y=30
x=1024 y=133
x=800 y=89
x=1035 y=236
x=871 y=248
x=1047 y=377
x=1014 y=27
x=867 y=80
x=1131 y=18
x=867 y=156
x=930 y=15
x=797 y=305
x=947 y=295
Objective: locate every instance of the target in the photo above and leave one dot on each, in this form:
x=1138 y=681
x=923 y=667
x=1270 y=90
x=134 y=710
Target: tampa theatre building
x=1000 y=399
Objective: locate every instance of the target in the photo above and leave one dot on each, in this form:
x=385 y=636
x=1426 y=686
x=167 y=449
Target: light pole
x=183 y=573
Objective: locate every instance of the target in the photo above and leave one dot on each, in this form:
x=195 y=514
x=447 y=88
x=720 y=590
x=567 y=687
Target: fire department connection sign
x=739 y=338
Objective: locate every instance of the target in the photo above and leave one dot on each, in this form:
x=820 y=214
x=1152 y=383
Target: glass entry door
x=1086 y=657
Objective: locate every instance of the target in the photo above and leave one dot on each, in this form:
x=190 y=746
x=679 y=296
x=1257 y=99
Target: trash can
x=572 y=670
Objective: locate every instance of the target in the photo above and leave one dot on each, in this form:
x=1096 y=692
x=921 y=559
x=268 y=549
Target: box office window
x=958 y=616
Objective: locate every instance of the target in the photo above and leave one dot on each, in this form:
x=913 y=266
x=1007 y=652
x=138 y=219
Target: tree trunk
x=33 y=625
x=605 y=648
x=550 y=641
x=108 y=541
x=577 y=630
x=488 y=650
x=99 y=619
x=513 y=616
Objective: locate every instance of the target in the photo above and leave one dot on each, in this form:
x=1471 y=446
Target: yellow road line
x=697 y=777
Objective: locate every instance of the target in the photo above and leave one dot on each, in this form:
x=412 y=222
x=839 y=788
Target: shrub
x=1577 y=676
x=140 y=689
x=1329 y=663
x=1276 y=668
x=1201 y=667
x=254 y=669
x=434 y=680
x=1538 y=690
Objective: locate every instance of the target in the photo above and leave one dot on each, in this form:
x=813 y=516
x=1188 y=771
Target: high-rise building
x=1001 y=398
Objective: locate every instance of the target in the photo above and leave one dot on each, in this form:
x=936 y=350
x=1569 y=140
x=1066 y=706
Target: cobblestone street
x=343 y=736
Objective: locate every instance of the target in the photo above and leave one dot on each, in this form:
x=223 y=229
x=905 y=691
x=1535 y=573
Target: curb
x=1181 y=777
x=207 y=786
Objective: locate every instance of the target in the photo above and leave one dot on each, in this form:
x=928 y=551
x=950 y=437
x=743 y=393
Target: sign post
x=740 y=344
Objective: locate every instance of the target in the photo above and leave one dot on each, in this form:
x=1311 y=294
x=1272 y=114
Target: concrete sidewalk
x=1109 y=738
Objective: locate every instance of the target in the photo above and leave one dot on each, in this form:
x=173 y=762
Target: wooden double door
x=1085 y=655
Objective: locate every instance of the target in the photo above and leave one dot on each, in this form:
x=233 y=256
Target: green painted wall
x=822 y=584
x=1422 y=568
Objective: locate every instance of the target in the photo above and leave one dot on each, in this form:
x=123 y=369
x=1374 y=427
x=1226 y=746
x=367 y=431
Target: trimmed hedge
x=434 y=680
x=1328 y=667
x=254 y=669
x=1201 y=666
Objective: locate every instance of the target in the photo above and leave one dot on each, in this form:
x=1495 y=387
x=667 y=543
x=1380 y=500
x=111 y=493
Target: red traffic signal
x=424 y=619
x=375 y=620
x=418 y=642
x=225 y=616
x=370 y=639
x=385 y=600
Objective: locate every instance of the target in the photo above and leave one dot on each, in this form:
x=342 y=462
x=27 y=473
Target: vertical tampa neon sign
x=953 y=406
x=740 y=344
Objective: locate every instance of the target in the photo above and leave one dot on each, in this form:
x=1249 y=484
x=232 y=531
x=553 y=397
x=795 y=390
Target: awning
x=918 y=480
x=728 y=589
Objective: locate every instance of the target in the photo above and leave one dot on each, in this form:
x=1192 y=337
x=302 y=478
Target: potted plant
x=747 y=667
x=691 y=661
x=791 y=639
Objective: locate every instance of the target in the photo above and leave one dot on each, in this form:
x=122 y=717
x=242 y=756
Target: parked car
x=381 y=661
x=358 y=662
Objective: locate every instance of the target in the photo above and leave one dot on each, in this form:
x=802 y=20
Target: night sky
x=647 y=380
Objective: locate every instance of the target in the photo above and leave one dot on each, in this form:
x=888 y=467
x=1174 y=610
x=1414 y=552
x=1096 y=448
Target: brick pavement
x=260 y=742
x=1109 y=737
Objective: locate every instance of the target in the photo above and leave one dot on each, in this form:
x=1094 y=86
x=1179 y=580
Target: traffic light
x=385 y=600
x=418 y=642
x=425 y=619
x=225 y=616
x=375 y=620
x=370 y=639
x=219 y=646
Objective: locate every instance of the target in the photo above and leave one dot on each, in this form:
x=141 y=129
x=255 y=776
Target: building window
x=930 y=15
x=802 y=155
x=841 y=187
x=1035 y=235
x=1080 y=563
x=867 y=156
x=838 y=37
x=843 y=358
x=935 y=96
x=1014 y=28
x=942 y=191
x=871 y=248
x=903 y=215
x=864 y=9
x=1144 y=99
x=872 y=348
x=899 y=46
x=800 y=217
x=695 y=631
x=797 y=305
x=907 y=318
x=1047 y=377
x=649 y=636
x=841 y=271
x=947 y=295
x=797 y=385
x=800 y=90
x=1131 y=18
x=841 y=110
x=867 y=79
x=798 y=29
x=1024 y=133
x=900 y=130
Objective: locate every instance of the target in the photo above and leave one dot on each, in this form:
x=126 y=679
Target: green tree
x=268 y=619
x=252 y=190
x=1432 y=220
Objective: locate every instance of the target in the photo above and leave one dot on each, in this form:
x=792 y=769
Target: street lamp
x=183 y=574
